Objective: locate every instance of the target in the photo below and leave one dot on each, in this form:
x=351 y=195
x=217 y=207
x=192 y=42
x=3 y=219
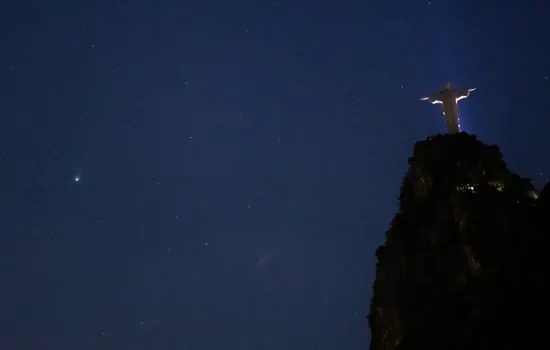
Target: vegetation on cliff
x=465 y=261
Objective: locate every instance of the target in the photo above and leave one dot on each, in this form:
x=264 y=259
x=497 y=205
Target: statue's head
x=448 y=85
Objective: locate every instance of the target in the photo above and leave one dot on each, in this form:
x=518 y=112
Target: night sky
x=217 y=174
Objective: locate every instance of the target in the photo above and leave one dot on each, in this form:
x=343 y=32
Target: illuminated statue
x=449 y=97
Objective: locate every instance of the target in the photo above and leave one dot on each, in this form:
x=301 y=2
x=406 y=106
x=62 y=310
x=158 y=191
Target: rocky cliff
x=465 y=261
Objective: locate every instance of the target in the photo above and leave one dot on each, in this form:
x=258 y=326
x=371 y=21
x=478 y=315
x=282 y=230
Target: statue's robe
x=449 y=98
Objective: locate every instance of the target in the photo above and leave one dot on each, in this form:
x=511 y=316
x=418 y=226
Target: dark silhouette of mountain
x=465 y=263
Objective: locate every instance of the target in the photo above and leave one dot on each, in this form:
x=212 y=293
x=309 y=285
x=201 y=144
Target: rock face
x=465 y=263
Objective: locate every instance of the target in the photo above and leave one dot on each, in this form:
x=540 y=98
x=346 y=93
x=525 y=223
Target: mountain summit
x=465 y=261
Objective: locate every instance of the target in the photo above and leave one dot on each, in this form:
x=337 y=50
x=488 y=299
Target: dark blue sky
x=239 y=161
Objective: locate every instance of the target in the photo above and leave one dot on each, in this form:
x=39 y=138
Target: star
x=77 y=178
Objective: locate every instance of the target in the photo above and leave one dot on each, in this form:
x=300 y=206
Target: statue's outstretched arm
x=432 y=98
x=461 y=94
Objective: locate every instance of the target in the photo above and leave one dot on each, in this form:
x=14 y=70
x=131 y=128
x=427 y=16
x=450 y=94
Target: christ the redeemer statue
x=449 y=97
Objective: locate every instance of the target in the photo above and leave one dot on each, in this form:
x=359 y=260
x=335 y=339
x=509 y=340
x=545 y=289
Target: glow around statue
x=449 y=97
